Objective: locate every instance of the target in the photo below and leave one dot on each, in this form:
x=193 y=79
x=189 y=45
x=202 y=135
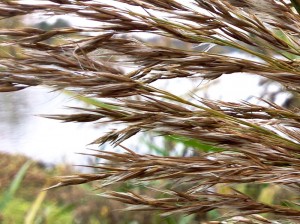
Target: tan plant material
x=260 y=144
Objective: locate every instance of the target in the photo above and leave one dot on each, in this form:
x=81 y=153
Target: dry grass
x=261 y=143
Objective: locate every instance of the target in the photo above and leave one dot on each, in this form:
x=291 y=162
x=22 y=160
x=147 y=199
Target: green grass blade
x=30 y=217
x=14 y=186
x=90 y=101
x=194 y=143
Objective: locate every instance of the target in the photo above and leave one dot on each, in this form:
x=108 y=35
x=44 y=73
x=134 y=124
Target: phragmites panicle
x=110 y=58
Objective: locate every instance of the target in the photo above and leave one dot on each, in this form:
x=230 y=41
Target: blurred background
x=34 y=149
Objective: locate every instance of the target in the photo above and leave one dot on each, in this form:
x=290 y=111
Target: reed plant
x=257 y=143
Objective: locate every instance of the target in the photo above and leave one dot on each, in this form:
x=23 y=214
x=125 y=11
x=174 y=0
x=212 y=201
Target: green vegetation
x=24 y=201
